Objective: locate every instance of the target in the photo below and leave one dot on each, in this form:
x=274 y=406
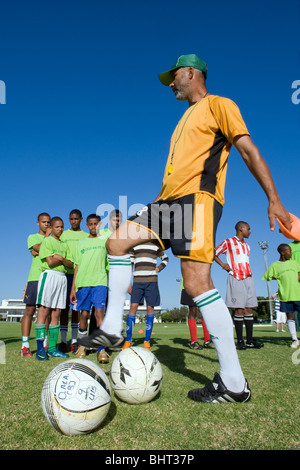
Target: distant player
x=89 y=288
x=71 y=237
x=145 y=286
x=52 y=289
x=30 y=294
x=241 y=294
x=295 y=247
x=286 y=271
x=280 y=316
x=187 y=300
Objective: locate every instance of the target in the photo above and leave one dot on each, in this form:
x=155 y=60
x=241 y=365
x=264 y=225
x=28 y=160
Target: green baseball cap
x=189 y=60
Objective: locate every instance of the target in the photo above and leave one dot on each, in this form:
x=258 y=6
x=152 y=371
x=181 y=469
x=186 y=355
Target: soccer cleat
x=147 y=345
x=295 y=343
x=80 y=353
x=42 y=355
x=63 y=347
x=126 y=345
x=216 y=392
x=100 y=338
x=25 y=352
x=208 y=344
x=195 y=345
x=103 y=357
x=240 y=345
x=57 y=353
x=74 y=347
x=254 y=345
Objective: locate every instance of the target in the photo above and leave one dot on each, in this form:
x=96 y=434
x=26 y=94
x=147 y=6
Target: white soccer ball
x=76 y=397
x=136 y=375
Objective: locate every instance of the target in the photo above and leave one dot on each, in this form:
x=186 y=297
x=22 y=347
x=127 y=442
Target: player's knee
x=114 y=248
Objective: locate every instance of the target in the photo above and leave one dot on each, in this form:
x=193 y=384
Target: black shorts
x=186 y=299
x=290 y=307
x=186 y=225
x=30 y=293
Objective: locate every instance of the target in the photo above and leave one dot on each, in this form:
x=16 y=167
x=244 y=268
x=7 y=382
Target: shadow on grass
x=277 y=340
x=176 y=358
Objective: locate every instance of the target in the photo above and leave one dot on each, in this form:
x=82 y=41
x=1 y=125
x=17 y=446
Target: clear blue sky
x=86 y=119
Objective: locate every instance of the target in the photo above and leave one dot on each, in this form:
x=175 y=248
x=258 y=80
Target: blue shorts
x=290 y=307
x=69 y=287
x=91 y=296
x=30 y=293
x=145 y=290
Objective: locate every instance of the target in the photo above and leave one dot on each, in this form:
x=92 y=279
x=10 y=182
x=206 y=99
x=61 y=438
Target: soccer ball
x=136 y=375
x=76 y=397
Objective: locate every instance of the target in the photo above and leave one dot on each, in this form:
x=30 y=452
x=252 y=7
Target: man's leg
x=120 y=271
x=192 y=323
x=198 y=283
x=238 y=320
x=26 y=328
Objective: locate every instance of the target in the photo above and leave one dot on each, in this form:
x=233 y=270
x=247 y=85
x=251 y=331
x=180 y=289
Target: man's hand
x=276 y=210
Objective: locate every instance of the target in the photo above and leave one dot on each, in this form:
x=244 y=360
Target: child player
x=286 y=271
x=52 y=289
x=71 y=237
x=30 y=294
x=89 y=286
x=145 y=286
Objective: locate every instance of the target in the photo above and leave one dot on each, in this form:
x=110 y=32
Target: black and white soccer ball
x=76 y=397
x=136 y=375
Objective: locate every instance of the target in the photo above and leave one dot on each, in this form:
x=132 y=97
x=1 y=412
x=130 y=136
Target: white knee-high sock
x=119 y=279
x=219 y=324
x=291 y=324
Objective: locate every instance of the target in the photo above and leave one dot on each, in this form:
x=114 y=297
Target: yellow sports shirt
x=199 y=149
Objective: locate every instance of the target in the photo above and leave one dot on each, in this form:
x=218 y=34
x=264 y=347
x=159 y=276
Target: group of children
x=69 y=269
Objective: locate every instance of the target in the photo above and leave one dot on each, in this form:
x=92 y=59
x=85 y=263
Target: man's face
x=44 y=223
x=180 y=83
x=75 y=221
x=246 y=231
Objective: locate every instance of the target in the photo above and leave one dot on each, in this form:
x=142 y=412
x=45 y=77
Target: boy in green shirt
x=52 y=288
x=295 y=247
x=90 y=278
x=286 y=271
x=71 y=237
x=30 y=293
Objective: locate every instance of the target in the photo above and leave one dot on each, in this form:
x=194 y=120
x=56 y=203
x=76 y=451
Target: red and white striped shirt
x=237 y=253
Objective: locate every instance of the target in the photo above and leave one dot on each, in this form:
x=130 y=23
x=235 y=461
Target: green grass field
x=171 y=421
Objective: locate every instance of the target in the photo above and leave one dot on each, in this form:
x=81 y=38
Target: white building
x=13 y=310
x=142 y=312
